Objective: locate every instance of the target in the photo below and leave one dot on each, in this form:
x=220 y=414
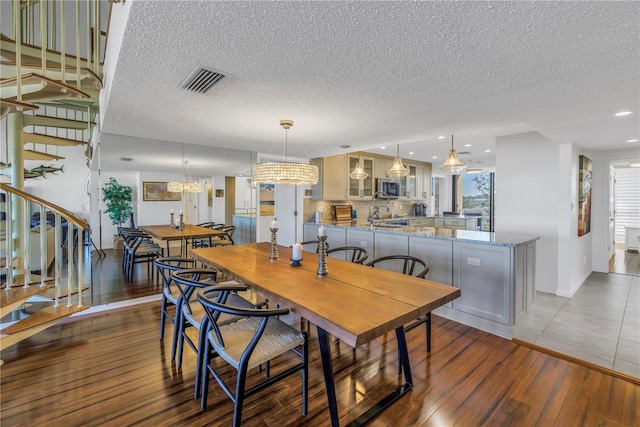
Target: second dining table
x=189 y=231
x=352 y=302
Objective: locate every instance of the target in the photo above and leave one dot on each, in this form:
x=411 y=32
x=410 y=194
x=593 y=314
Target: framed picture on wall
x=157 y=192
x=584 y=195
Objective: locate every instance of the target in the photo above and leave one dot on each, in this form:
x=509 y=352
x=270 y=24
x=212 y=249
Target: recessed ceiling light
x=632 y=140
x=411 y=153
x=467 y=145
x=472 y=171
x=623 y=113
x=487 y=151
x=383 y=147
x=635 y=164
x=434 y=157
x=441 y=137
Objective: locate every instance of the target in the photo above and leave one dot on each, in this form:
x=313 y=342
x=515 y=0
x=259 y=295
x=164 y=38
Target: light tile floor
x=599 y=324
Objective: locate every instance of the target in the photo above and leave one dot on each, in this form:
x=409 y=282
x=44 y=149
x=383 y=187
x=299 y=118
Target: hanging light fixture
x=453 y=163
x=186 y=186
x=285 y=172
x=358 y=172
x=397 y=170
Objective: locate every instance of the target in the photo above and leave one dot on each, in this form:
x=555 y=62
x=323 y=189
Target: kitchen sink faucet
x=371 y=207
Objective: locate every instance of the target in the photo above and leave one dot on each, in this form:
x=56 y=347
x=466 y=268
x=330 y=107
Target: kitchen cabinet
x=438 y=253
x=390 y=244
x=332 y=182
x=362 y=239
x=359 y=188
x=409 y=183
x=336 y=236
x=455 y=223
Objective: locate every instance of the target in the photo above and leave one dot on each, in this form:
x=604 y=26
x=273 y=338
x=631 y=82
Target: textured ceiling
x=368 y=74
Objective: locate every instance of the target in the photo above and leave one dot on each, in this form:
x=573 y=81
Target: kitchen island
x=494 y=272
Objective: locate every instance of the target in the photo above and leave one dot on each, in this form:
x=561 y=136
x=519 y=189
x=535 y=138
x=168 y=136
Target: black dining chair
x=312 y=245
x=248 y=343
x=355 y=254
x=412 y=266
x=192 y=313
x=170 y=291
x=226 y=238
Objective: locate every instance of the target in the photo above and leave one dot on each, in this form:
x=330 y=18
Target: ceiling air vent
x=201 y=80
x=463 y=152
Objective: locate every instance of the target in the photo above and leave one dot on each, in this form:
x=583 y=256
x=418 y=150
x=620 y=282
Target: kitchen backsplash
x=397 y=207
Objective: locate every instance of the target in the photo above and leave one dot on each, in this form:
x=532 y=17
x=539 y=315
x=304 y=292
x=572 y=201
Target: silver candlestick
x=181 y=221
x=322 y=256
x=171 y=223
x=274 y=244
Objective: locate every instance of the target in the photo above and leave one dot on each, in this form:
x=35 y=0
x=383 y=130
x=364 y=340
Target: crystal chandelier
x=453 y=163
x=285 y=172
x=397 y=170
x=185 y=186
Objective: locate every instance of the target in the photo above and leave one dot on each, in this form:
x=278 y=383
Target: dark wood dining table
x=189 y=231
x=354 y=303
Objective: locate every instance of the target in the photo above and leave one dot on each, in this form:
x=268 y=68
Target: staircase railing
x=17 y=259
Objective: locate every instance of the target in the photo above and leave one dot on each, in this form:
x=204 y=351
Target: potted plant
x=118 y=200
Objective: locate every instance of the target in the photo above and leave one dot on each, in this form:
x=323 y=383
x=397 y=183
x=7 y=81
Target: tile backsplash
x=398 y=207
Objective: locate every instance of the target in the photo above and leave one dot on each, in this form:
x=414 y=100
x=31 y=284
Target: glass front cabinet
x=360 y=187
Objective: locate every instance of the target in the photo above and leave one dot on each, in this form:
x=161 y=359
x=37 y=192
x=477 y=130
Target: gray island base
x=494 y=272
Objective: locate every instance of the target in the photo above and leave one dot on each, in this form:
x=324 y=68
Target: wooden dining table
x=353 y=302
x=189 y=231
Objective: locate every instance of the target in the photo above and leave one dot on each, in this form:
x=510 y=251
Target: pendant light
x=285 y=172
x=188 y=185
x=358 y=172
x=397 y=170
x=453 y=164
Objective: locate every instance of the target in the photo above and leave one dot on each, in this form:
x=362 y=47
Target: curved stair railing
x=17 y=263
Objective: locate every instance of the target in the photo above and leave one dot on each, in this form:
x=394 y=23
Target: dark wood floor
x=112 y=369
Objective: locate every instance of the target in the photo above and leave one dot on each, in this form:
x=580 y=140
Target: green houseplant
x=118 y=200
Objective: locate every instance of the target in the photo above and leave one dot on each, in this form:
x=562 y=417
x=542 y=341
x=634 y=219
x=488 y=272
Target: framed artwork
x=219 y=193
x=210 y=195
x=584 y=195
x=157 y=192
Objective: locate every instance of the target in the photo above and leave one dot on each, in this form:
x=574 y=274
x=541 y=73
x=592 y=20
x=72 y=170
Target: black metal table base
x=327 y=367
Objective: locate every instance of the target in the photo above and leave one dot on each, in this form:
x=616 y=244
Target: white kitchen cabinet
x=336 y=236
x=456 y=223
x=390 y=244
x=359 y=188
x=362 y=239
x=438 y=253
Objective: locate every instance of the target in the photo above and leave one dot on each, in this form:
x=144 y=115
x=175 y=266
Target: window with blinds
x=627 y=201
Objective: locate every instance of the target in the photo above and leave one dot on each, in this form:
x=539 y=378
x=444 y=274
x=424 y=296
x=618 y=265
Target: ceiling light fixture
x=472 y=171
x=631 y=140
x=635 y=164
x=441 y=137
x=453 y=163
x=358 y=172
x=397 y=170
x=285 y=172
x=188 y=186
x=624 y=113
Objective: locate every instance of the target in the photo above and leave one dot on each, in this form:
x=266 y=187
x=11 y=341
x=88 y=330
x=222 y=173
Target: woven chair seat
x=277 y=338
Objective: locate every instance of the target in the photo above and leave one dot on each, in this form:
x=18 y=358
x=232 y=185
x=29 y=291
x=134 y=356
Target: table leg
x=327 y=367
x=403 y=355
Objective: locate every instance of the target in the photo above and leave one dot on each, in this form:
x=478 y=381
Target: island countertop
x=482 y=237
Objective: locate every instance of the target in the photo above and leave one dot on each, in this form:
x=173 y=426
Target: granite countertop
x=470 y=236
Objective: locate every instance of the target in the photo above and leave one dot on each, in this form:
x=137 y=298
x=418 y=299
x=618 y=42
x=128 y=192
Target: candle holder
x=322 y=256
x=181 y=221
x=274 y=244
x=296 y=262
x=171 y=223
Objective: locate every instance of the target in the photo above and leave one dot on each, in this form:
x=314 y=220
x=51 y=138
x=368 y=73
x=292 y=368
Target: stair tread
x=8 y=50
x=19 y=293
x=11 y=106
x=51 y=90
x=46 y=315
x=39 y=155
x=41 y=138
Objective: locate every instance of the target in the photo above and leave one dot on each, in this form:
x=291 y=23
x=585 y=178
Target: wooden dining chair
x=246 y=344
x=413 y=266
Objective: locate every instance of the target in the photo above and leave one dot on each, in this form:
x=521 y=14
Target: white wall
x=527 y=197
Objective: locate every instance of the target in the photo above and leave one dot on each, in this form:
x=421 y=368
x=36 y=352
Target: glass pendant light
x=358 y=172
x=453 y=164
x=285 y=172
x=397 y=170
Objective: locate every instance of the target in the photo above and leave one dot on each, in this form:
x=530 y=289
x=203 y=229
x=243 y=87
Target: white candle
x=177 y=222
x=296 y=254
x=322 y=231
x=274 y=224
x=171 y=212
x=180 y=211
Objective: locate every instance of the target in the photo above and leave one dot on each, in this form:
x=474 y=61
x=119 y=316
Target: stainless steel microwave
x=389 y=186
